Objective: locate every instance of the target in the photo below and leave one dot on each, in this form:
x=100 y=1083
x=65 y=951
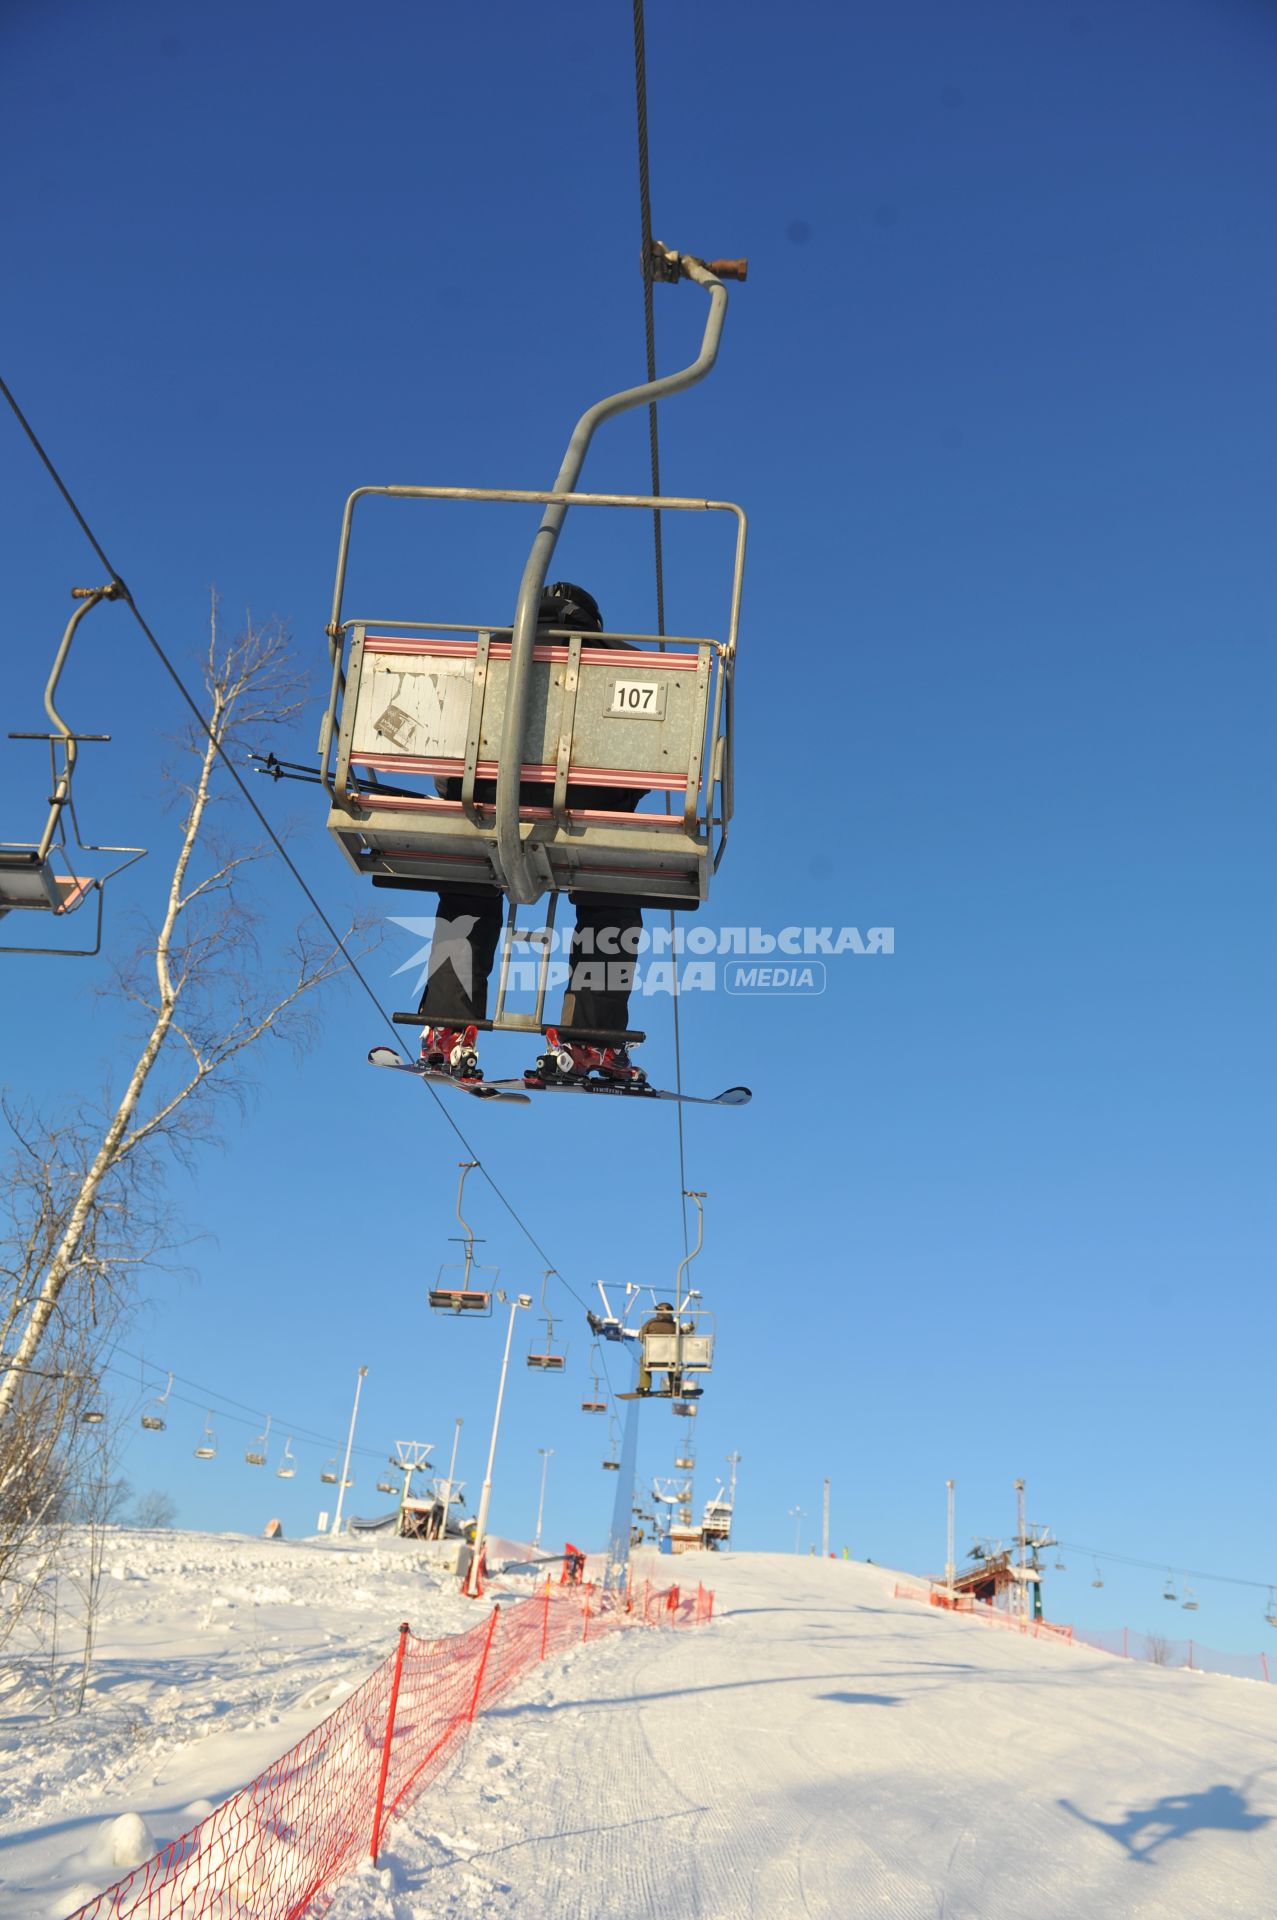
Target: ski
x=504 y=1091
x=730 y=1097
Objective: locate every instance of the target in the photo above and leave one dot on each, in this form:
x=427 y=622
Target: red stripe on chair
x=398 y=803
x=500 y=650
x=638 y=777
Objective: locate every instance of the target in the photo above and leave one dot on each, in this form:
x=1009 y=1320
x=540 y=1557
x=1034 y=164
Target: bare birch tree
x=86 y=1210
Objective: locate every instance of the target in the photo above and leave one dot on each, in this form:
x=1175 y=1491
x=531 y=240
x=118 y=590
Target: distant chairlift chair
x=37 y=876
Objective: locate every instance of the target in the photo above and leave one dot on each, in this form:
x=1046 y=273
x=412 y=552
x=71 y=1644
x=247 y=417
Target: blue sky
x=999 y=399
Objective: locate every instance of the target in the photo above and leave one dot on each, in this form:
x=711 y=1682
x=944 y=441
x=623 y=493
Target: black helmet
x=563 y=605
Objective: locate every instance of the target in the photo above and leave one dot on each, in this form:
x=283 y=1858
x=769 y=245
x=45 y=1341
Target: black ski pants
x=468 y=933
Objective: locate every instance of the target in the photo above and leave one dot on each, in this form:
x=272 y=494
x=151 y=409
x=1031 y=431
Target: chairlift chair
x=328 y=1472
x=596 y=1403
x=387 y=1486
x=1099 y=1577
x=684 y=1409
x=685 y=1462
x=1170 y=1593
x=206 y=1448
x=37 y=876
x=468 y=1300
x=1270 y=1614
x=152 y=1414
x=287 y=1468
x=545 y=1357
x=93 y=1416
x=468 y=1288
x=1190 y=1601
x=413 y=702
x=255 y=1455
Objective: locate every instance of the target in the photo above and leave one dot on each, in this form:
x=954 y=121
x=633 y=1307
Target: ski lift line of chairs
x=417 y=701
x=152 y=1416
x=38 y=876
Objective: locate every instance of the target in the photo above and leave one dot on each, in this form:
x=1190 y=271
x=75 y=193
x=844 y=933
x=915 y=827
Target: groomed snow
x=822 y=1749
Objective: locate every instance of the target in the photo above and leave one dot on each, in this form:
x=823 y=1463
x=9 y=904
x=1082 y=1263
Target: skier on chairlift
x=468 y=925
x=662 y=1321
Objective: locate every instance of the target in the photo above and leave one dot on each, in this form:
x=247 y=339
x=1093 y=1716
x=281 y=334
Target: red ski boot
x=577 y=1060
x=451 y=1050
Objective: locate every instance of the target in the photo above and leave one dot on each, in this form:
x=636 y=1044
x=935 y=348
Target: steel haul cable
x=649 y=333
x=269 y=830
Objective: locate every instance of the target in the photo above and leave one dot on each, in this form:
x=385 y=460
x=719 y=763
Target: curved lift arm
x=523 y=884
x=88 y=598
x=700 y=1236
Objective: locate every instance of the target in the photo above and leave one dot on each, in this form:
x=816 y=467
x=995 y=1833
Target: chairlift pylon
x=38 y=876
x=206 y=1447
x=470 y=702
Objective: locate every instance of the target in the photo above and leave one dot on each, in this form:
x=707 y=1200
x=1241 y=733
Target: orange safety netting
x=273 y=1848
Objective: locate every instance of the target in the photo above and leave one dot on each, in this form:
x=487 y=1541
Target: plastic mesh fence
x=272 y=1850
x=1154 y=1648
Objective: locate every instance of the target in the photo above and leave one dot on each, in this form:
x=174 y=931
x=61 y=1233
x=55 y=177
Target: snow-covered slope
x=822 y=1749
x=825 y=1750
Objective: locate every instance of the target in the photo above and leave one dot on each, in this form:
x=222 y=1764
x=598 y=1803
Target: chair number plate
x=638 y=700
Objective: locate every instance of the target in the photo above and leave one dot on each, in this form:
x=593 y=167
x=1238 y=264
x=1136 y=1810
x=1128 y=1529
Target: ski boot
x=577 y=1060
x=451 y=1050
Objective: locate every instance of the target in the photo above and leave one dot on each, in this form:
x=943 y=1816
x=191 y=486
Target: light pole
x=547 y=1454
x=948 y=1551
x=350 y=1441
x=797 y=1515
x=1022 y=1538
x=473 y=1587
x=447 y=1485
